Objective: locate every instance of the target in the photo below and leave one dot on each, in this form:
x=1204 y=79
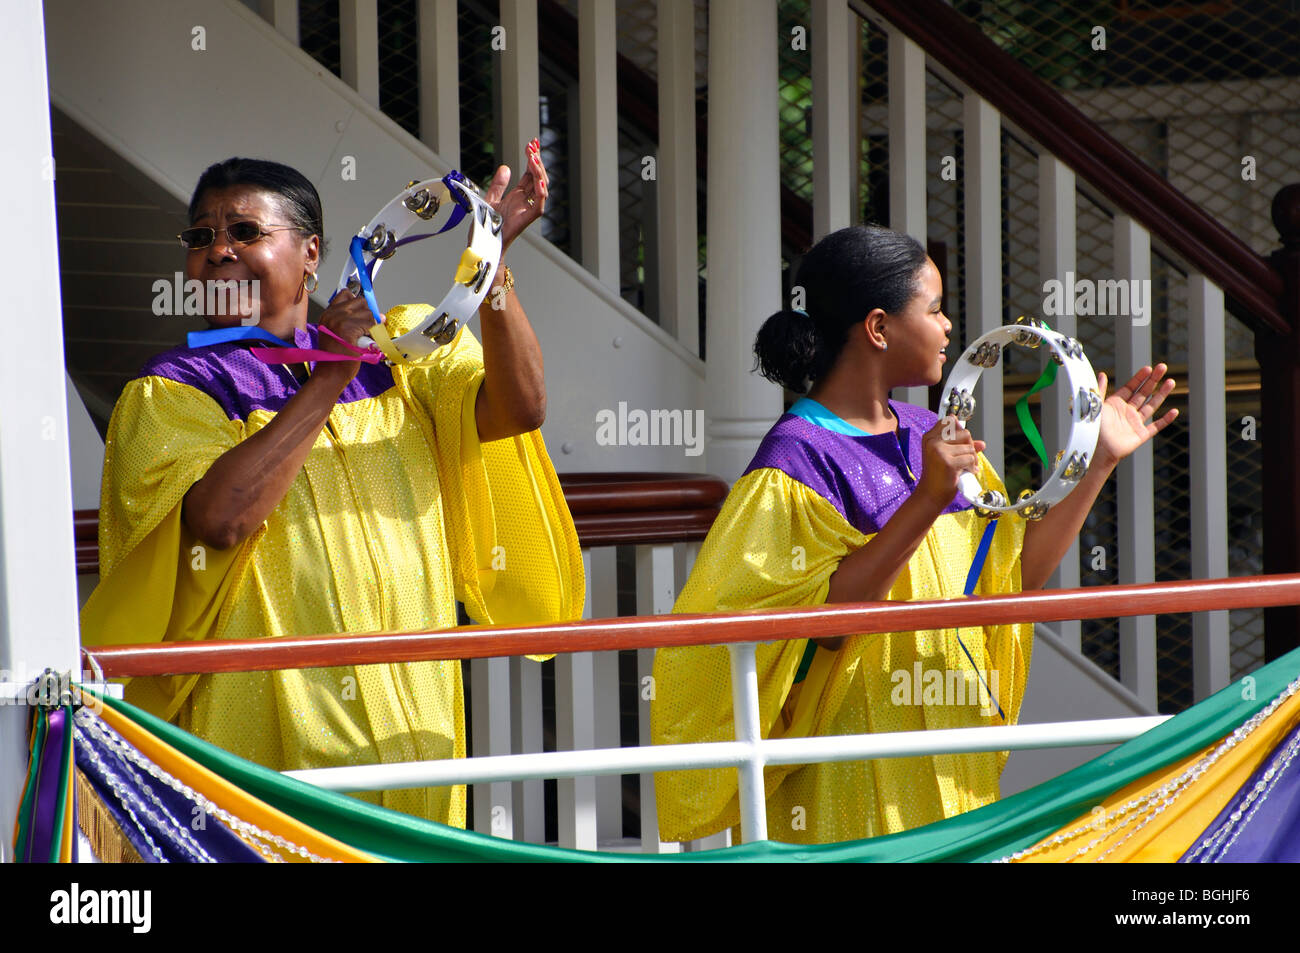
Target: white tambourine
x=383 y=235
x=1084 y=410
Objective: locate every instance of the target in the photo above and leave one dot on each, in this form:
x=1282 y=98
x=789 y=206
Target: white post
x=526 y=738
x=440 y=79
x=283 y=15
x=520 y=116
x=679 y=277
x=982 y=135
x=38 y=590
x=907 y=212
x=598 y=139
x=602 y=595
x=833 y=150
x=359 y=47
x=575 y=730
x=1136 y=489
x=1207 y=413
x=656 y=591
x=1056 y=261
x=744 y=700
x=490 y=703
x=744 y=236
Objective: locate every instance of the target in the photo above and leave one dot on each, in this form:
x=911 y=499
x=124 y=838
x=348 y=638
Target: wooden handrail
x=609 y=509
x=319 y=651
x=963 y=49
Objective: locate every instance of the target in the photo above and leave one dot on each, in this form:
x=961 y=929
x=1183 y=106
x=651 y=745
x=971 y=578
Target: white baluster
x=440 y=79
x=982 y=135
x=602 y=593
x=1207 y=410
x=833 y=105
x=359 y=47
x=283 y=15
x=526 y=738
x=679 y=295
x=1057 y=261
x=520 y=118
x=490 y=701
x=656 y=591
x=1136 y=488
x=907 y=212
x=598 y=139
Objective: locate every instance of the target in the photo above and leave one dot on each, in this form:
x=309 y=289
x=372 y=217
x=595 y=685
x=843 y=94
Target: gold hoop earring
x=310 y=276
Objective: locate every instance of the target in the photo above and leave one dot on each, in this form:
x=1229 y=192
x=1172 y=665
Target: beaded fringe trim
x=1145 y=809
x=107 y=842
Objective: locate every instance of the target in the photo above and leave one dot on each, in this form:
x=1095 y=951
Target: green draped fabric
x=985 y=834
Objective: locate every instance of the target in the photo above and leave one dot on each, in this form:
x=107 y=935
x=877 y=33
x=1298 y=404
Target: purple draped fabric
x=1261 y=824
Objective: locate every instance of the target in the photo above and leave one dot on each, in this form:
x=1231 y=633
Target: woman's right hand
x=947 y=451
x=349 y=317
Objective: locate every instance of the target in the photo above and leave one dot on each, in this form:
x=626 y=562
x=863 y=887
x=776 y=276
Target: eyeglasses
x=239 y=233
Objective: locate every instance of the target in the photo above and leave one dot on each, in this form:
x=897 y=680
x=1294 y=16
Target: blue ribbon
x=972 y=579
x=226 y=335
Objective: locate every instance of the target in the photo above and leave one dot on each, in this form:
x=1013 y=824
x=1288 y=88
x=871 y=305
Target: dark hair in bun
x=844 y=277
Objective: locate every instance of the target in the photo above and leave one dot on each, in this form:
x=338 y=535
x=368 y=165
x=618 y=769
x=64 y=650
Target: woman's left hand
x=525 y=203
x=1128 y=416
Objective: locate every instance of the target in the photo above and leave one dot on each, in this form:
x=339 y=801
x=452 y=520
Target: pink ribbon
x=294 y=355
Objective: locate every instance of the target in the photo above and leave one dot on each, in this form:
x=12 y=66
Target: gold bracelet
x=509 y=284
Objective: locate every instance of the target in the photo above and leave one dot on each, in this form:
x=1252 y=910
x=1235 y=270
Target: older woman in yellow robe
x=248 y=500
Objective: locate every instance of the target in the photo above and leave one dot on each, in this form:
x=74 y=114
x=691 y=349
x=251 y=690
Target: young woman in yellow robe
x=246 y=500
x=852 y=497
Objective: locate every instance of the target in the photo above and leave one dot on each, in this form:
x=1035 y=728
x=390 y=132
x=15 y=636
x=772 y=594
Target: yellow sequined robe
x=810 y=498
x=398 y=512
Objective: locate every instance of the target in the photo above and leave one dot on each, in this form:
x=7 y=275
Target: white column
x=520 y=118
x=679 y=281
x=1056 y=260
x=359 y=47
x=907 y=211
x=1207 y=420
x=490 y=702
x=982 y=135
x=602 y=595
x=744 y=226
x=440 y=79
x=598 y=139
x=526 y=738
x=38 y=590
x=833 y=105
x=1136 y=488
x=656 y=591
x=283 y=15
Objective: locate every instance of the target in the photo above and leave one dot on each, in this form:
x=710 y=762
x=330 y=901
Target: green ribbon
x=1027 y=422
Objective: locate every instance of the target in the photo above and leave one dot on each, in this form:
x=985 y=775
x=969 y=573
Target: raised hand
x=525 y=203
x=1128 y=416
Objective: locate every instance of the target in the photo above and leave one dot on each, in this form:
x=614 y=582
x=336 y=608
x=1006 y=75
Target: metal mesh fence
x=318 y=32
x=399 y=63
